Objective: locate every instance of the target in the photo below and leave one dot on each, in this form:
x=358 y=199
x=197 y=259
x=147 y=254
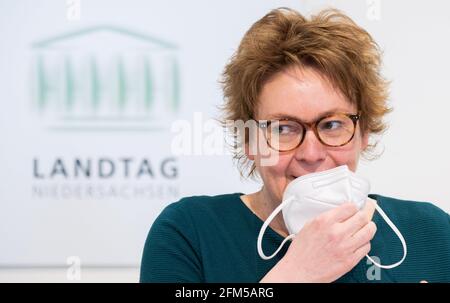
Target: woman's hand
x=328 y=246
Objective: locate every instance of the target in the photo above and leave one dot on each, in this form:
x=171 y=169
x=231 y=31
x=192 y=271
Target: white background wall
x=413 y=34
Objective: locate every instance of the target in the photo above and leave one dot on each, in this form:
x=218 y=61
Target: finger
x=360 y=253
x=363 y=236
x=341 y=213
x=369 y=208
x=358 y=220
x=353 y=224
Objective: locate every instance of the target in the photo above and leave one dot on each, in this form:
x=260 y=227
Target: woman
x=301 y=75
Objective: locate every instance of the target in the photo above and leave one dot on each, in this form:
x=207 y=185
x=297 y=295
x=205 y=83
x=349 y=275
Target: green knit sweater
x=213 y=239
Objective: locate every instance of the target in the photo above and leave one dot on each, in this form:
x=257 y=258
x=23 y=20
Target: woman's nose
x=311 y=151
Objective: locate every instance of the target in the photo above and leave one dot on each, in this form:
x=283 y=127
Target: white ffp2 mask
x=310 y=195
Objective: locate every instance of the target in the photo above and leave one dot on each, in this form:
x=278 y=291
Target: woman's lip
x=306 y=173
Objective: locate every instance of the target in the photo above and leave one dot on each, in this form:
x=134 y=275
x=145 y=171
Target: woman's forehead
x=305 y=95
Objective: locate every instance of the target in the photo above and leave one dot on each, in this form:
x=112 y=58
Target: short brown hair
x=330 y=42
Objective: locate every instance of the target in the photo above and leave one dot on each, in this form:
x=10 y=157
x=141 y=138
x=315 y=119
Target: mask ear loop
x=266 y=224
x=399 y=235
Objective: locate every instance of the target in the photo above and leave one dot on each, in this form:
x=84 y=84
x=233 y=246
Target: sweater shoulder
x=199 y=207
x=413 y=212
x=422 y=207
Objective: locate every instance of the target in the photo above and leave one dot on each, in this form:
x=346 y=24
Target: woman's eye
x=285 y=129
x=331 y=125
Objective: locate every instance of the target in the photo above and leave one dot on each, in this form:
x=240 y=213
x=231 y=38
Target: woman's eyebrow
x=278 y=116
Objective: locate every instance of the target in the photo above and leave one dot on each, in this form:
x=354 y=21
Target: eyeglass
x=332 y=130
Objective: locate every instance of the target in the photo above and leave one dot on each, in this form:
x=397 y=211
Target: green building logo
x=105 y=77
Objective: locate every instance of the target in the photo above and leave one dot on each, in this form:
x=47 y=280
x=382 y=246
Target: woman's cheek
x=349 y=158
x=281 y=164
x=276 y=173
